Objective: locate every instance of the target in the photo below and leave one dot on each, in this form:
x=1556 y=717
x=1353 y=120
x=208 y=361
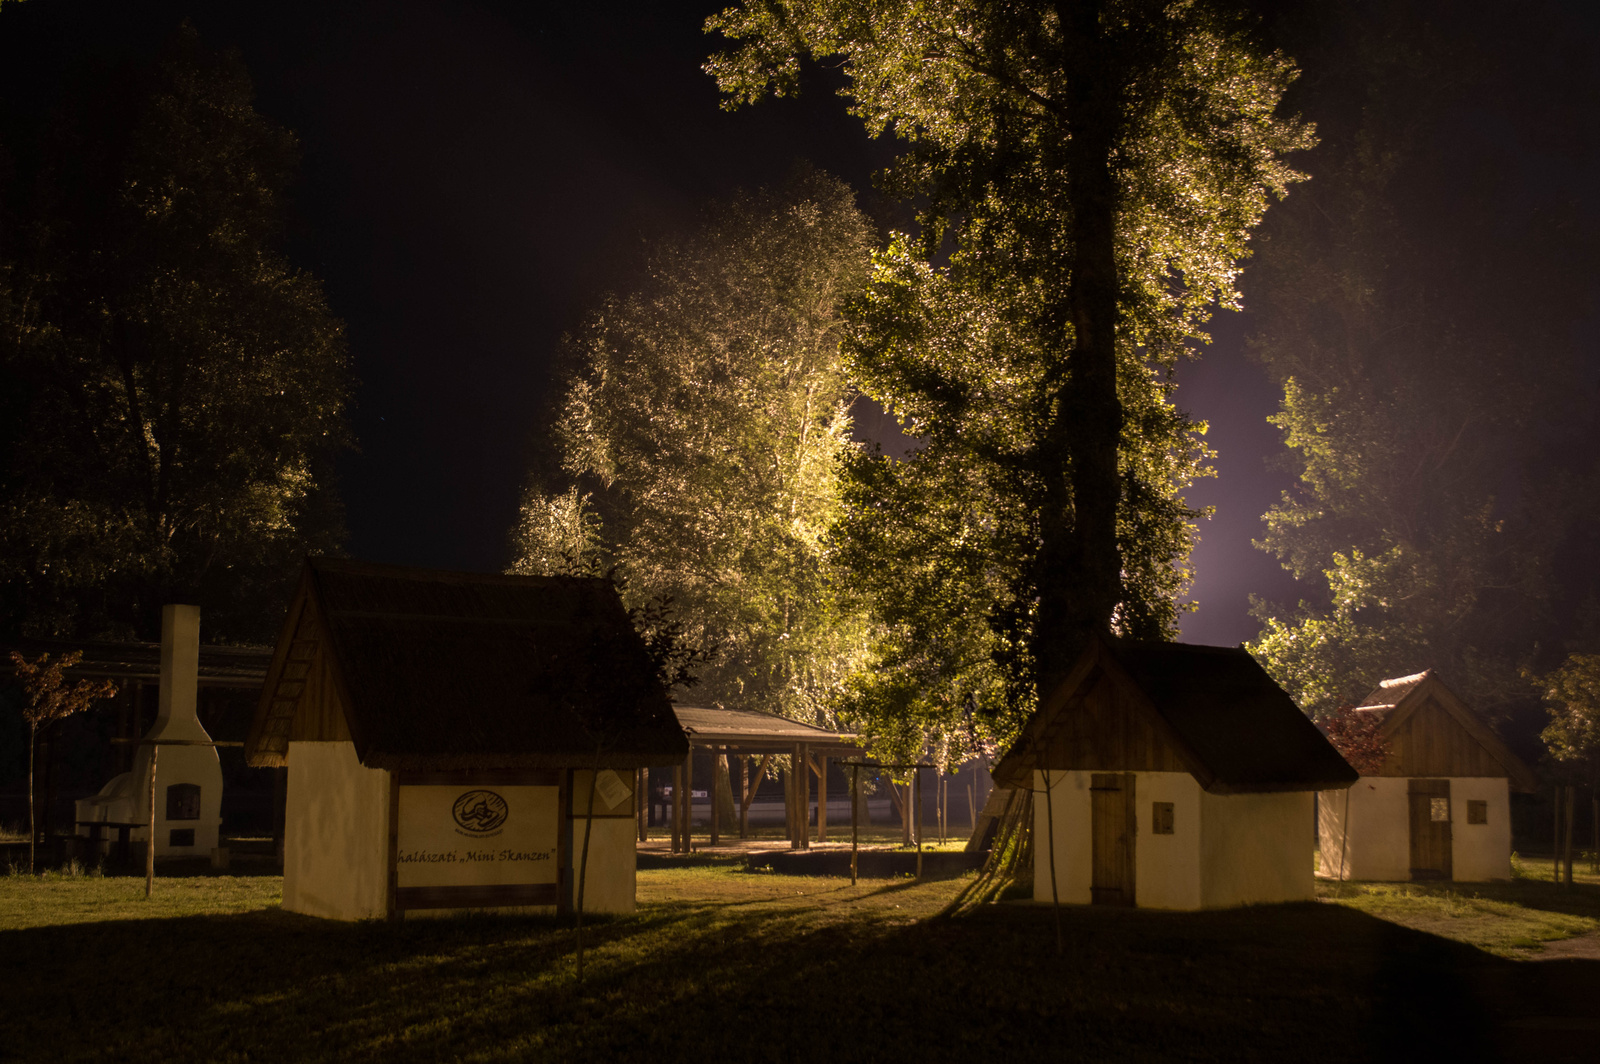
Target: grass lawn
x=772 y=967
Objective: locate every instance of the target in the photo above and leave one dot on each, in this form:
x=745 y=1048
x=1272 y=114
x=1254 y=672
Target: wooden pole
x=1050 y=829
x=1567 y=842
x=150 y=846
x=855 y=818
x=916 y=799
x=1555 y=841
x=822 y=797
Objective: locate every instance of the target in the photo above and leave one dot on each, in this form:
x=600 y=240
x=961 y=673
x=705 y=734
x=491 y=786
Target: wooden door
x=1430 y=829
x=1112 y=813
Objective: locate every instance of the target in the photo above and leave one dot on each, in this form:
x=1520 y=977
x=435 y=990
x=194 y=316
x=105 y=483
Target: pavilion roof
x=754 y=731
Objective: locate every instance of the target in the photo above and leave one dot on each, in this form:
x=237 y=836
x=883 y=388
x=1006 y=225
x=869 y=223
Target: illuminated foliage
x=179 y=388
x=1094 y=170
x=701 y=440
x=1572 y=694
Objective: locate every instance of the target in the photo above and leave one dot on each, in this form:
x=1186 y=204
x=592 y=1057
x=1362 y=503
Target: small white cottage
x=188 y=774
x=1439 y=806
x=442 y=733
x=1175 y=777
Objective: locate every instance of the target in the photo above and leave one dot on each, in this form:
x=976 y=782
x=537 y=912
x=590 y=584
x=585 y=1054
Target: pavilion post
x=677 y=808
x=855 y=818
x=916 y=801
x=688 y=802
x=822 y=797
x=802 y=779
x=744 y=797
x=717 y=757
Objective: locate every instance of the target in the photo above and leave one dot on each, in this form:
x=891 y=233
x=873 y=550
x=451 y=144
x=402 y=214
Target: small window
x=1439 y=810
x=1477 y=811
x=1161 y=818
x=183 y=801
x=181 y=837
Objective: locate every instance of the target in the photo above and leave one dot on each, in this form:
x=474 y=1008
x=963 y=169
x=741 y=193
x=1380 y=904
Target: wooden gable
x=1431 y=732
x=1103 y=728
x=300 y=701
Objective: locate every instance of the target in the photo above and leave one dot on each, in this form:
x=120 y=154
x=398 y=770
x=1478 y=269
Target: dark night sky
x=476 y=174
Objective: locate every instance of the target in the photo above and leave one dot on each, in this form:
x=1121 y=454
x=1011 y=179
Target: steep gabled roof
x=1397 y=699
x=441 y=670
x=1230 y=724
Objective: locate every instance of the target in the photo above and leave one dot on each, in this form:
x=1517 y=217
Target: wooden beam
x=392 y=901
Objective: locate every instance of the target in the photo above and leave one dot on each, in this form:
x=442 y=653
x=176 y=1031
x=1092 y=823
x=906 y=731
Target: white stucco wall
x=1480 y=852
x=1255 y=849
x=1166 y=867
x=1072 y=843
x=336 y=834
x=612 y=878
x=1167 y=872
x=1378 y=844
x=1379 y=841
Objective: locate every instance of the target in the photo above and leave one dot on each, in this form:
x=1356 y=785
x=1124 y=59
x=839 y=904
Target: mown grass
x=762 y=966
x=1506 y=919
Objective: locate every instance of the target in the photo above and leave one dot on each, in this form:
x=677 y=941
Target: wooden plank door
x=1430 y=829
x=1112 y=814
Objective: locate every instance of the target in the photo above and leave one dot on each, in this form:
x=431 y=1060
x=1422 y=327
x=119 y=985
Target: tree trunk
x=727 y=811
x=1079 y=577
x=33 y=823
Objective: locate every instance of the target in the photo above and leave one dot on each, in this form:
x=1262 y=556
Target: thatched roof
x=443 y=670
x=1228 y=722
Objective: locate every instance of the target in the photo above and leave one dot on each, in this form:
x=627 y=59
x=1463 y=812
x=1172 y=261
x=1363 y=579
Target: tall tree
x=1096 y=167
x=179 y=387
x=1418 y=306
x=701 y=435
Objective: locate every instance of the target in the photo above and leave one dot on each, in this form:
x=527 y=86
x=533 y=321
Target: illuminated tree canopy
x=1093 y=171
x=700 y=443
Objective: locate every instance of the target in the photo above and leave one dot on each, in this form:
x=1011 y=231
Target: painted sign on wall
x=461 y=844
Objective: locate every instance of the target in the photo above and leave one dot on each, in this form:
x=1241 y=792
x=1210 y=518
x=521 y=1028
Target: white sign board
x=476 y=836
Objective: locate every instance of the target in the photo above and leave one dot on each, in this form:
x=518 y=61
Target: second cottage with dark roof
x=442 y=731
x=1176 y=777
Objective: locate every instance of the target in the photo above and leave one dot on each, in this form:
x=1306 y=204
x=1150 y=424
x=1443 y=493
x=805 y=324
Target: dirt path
x=1579 y=948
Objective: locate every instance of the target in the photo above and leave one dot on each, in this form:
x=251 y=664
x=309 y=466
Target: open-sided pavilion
x=745 y=733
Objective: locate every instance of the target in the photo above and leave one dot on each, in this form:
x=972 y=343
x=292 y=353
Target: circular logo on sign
x=480 y=812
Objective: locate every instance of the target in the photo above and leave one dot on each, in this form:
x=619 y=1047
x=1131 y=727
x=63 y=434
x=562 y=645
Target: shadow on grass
x=1272 y=983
